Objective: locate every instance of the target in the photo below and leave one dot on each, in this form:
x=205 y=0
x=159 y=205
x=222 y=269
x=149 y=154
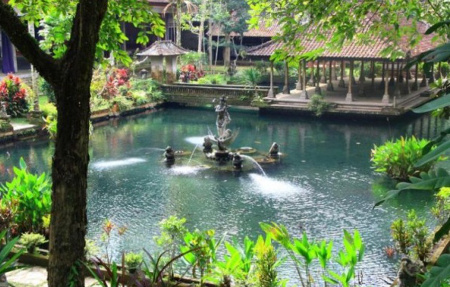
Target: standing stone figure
x=223 y=117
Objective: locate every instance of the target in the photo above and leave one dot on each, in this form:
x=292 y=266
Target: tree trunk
x=178 y=24
x=210 y=56
x=70 y=77
x=226 y=51
x=201 y=30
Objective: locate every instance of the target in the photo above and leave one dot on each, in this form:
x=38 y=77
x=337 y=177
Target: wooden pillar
x=323 y=78
x=349 y=97
x=270 y=94
x=415 y=85
x=330 y=76
x=406 y=89
x=424 y=82
x=304 y=94
x=317 y=90
x=333 y=71
x=385 y=99
x=372 y=72
x=431 y=80
x=298 y=86
x=286 y=78
x=341 y=83
x=383 y=76
x=311 y=81
x=362 y=79
x=392 y=80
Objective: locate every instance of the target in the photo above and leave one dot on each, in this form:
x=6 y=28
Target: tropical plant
x=442 y=208
x=237 y=263
x=31 y=193
x=8 y=260
x=401 y=235
x=397 y=158
x=318 y=105
x=46 y=89
x=108 y=227
x=262 y=66
x=421 y=243
x=48 y=109
x=14 y=94
x=266 y=263
x=133 y=261
x=51 y=126
x=112 y=277
x=31 y=241
x=303 y=252
x=204 y=251
x=439 y=273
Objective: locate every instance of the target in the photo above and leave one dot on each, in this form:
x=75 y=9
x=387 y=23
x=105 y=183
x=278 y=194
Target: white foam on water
x=273 y=187
x=185 y=170
x=195 y=140
x=116 y=163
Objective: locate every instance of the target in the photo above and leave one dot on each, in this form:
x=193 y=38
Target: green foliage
x=49 y=110
x=133 y=260
x=304 y=252
x=7 y=261
x=262 y=66
x=51 y=125
x=401 y=235
x=250 y=77
x=431 y=181
x=213 y=79
x=438 y=273
x=15 y=95
x=318 y=105
x=124 y=103
x=31 y=241
x=194 y=58
x=442 y=208
x=56 y=20
x=30 y=194
x=421 y=243
x=204 y=251
x=266 y=263
x=397 y=158
x=46 y=89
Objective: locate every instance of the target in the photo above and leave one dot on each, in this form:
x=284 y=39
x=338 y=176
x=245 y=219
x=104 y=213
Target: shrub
x=49 y=109
x=31 y=241
x=47 y=90
x=262 y=66
x=15 y=95
x=123 y=102
x=318 y=105
x=133 y=260
x=30 y=194
x=397 y=158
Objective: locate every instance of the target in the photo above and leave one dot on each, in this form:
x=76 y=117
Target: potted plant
x=31 y=241
x=133 y=261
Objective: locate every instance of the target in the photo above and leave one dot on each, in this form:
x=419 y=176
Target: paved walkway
x=35 y=277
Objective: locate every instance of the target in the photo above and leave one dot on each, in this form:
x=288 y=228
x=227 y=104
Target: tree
x=177 y=12
x=335 y=22
x=70 y=76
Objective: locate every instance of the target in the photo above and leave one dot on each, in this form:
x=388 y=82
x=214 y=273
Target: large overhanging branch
x=27 y=45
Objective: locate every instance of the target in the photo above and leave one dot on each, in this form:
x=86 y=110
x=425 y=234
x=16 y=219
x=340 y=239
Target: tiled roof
x=262 y=31
x=163 y=48
x=158 y=2
x=350 y=49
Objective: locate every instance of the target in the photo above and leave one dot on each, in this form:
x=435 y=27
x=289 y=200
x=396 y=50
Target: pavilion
x=392 y=92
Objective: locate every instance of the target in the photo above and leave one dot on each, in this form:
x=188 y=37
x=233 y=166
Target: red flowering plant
x=14 y=94
x=117 y=82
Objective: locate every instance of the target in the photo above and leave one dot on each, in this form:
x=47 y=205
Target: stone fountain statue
x=223 y=118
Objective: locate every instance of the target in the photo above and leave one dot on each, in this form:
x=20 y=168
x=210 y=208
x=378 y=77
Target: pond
x=323 y=185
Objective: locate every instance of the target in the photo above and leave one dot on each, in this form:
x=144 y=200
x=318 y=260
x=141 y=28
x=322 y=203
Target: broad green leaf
x=437 y=103
x=439 y=272
x=444 y=230
x=434 y=154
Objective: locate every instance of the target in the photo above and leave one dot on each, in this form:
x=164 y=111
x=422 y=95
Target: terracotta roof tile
x=354 y=50
x=262 y=31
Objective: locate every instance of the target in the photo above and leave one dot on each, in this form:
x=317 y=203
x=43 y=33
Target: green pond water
x=323 y=185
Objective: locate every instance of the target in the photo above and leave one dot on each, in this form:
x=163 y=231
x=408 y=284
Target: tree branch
x=26 y=44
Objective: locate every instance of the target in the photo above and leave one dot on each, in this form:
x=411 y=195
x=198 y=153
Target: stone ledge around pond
x=22 y=132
